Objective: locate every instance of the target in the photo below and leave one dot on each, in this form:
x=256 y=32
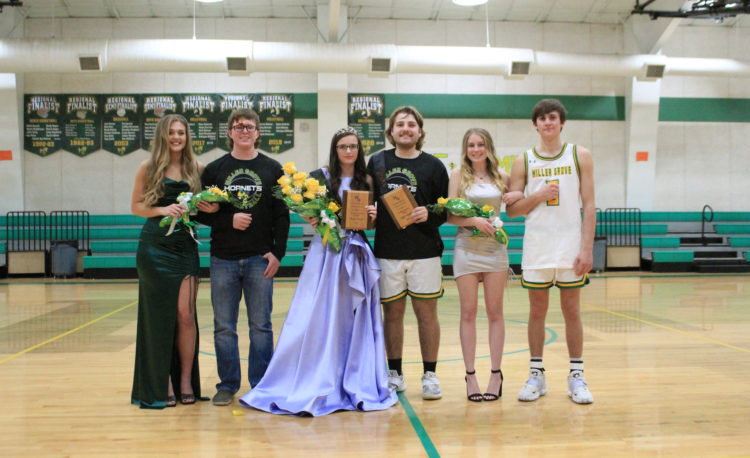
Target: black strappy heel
x=474 y=397
x=492 y=396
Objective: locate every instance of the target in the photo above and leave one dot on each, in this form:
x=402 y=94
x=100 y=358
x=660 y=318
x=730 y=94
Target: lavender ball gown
x=330 y=355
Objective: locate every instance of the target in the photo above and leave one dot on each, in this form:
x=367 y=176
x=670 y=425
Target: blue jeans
x=229 y=280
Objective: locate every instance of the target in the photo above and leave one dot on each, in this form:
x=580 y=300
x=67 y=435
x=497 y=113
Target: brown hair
x=408 y=109
x=467 y=171
x=157 y=166
x=546 y=106
x=243 y=113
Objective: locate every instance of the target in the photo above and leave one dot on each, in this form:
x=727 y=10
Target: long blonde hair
x=160 y=158
x=467 y=171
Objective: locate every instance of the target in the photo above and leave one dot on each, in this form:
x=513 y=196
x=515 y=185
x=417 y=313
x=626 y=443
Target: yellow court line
x=668 y=328
x=60 y=336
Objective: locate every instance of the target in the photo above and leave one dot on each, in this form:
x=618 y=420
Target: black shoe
x=187 y=399
x=474 y=397
x=492 y=396
x=171 y=401
x=222 y=398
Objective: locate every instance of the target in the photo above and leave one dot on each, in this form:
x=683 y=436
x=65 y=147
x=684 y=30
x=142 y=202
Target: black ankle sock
x=429 y=366
x=395 y=365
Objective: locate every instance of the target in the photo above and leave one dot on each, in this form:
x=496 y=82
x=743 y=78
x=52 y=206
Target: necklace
x=482 y=178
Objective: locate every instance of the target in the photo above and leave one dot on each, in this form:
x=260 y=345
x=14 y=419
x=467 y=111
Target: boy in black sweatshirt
x=248 y=240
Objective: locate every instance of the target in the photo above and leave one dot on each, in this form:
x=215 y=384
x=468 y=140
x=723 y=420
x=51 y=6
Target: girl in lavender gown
x=330 y=355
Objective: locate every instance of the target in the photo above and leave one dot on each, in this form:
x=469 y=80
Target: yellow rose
x=299 y=176
x=297 y=198
x=309 y=195
x=298 y=183
x=289 y=168
x=488 y=208
x=286 y=190
x=442 y=201
x=284 y=180
x=333 y=207
x=321 y=191
x=312 y=184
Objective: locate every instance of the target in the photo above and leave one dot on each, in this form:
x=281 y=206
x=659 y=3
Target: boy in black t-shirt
x=248 y=240
x=410 y=258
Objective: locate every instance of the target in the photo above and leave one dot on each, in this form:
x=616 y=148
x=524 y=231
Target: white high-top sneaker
x=535 y=386
x=578 y=391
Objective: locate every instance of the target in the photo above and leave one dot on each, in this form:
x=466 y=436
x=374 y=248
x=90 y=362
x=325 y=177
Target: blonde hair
x=157 y=166
x=467 y=171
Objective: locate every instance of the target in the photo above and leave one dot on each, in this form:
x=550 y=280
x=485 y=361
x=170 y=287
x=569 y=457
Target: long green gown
x=163 y=262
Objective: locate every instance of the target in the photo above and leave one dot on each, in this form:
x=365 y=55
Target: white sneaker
x=578 y=391
x=396 y=382
x=535 y=386
x=431 y=386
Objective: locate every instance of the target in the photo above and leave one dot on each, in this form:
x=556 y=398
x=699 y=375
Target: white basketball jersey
x=552 y=237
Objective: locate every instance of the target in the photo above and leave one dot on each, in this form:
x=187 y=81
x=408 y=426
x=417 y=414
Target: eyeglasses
x=342 y=148
x=244 y=127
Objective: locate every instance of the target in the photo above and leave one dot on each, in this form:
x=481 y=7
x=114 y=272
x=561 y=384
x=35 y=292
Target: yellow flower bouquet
x=308 y=197
x=468 y=209
x=190 y=201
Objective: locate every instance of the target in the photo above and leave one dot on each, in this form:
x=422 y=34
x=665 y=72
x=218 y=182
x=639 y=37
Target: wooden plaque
x=399 y=204
x=354 y=214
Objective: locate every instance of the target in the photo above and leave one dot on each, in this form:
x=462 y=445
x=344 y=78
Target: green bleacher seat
x=447 y=259
x=448 y=229
x=733 y=228
x=673 y=256
x=293 y=260
x=116 y=220
x=660 y=242
x=689 y=217
x=295 y=245
x=739 y=241
x=516 y=230
x=108 y=262
x=646 y=229
x=515 y=244
x=514 y=258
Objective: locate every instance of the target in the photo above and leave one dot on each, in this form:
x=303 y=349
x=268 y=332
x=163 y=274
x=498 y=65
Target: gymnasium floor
x=667 y=359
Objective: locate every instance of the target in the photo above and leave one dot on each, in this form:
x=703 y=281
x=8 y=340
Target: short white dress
x=476 y=254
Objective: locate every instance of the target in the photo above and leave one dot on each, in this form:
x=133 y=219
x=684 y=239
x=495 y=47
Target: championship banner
x=367 y=117
x=227 y=103
x=155 y=107
x=42 y=133
x=276 y=113
x=121 y=123
x=81 y=124
x=203 y=120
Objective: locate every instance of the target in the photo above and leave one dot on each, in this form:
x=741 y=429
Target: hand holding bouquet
x=307 y=197
x=468 y=209
x=190 y=202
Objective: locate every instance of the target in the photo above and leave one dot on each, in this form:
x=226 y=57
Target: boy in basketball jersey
x=557 y=180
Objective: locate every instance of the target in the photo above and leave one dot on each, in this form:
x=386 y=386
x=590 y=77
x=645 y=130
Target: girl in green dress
x=166 y=355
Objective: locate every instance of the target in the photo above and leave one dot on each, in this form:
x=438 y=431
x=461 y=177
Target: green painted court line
x=416 y=423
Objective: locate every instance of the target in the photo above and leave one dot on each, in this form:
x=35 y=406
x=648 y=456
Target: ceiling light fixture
x=210 y=1
x=469 y=2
